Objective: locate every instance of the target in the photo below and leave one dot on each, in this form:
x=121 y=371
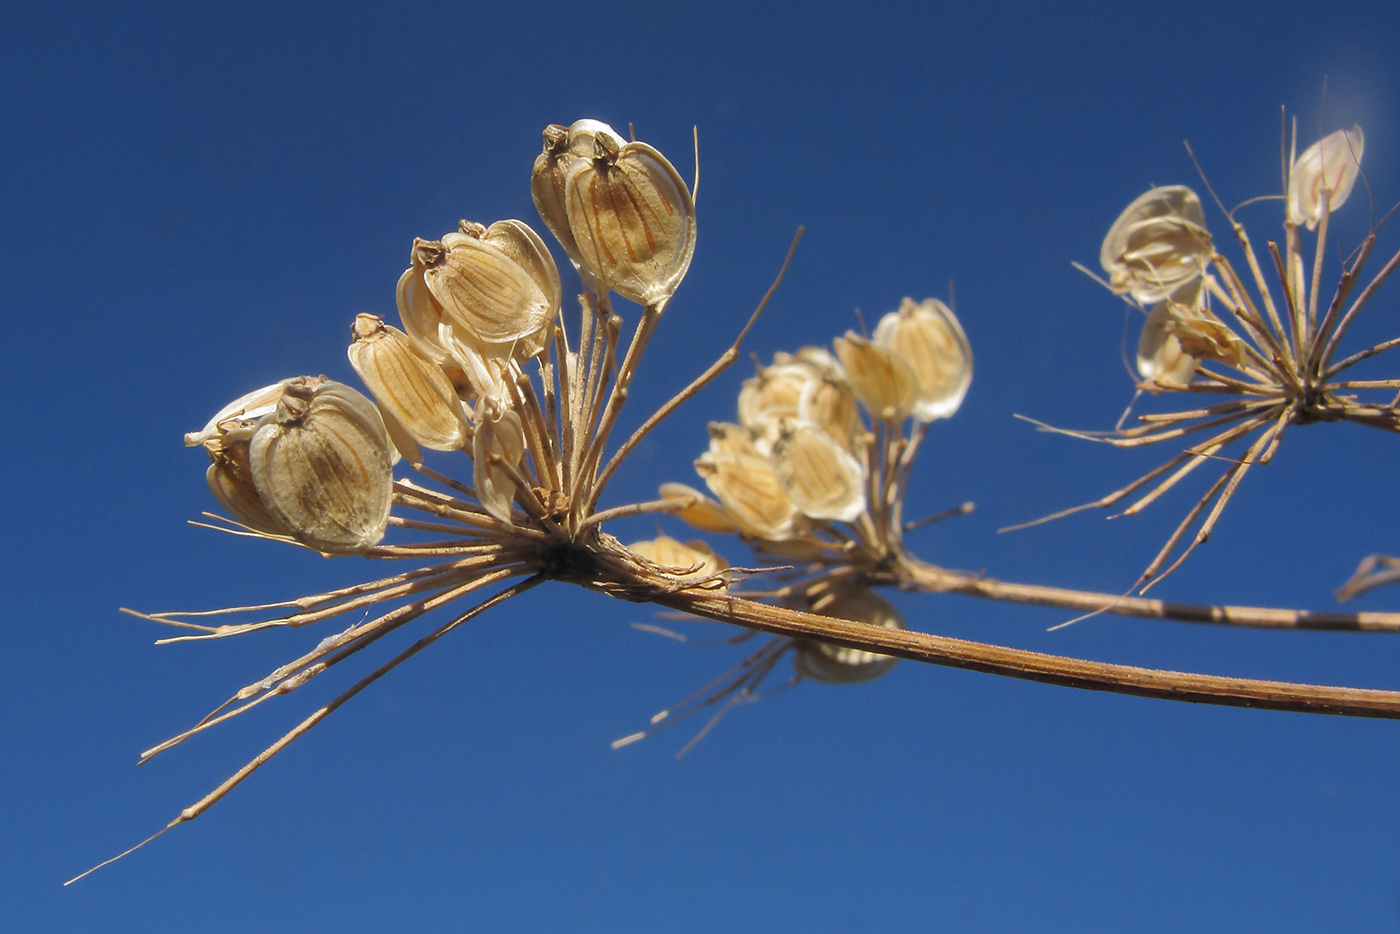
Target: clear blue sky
x=197 y=198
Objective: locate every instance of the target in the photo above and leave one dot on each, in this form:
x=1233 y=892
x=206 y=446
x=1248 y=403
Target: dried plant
x=812 y=475
x=1267 y=347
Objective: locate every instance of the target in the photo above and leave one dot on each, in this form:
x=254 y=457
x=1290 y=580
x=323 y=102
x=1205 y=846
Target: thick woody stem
x=1035 y=666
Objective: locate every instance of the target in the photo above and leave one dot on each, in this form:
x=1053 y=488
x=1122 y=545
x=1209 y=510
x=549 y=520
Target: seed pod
x=836 y=664
x=498 y=285
x=321 y=465
x=230 y=479
x=243 y=412
x=700 y=511
x=1160 y=359
x=691 y=559
x=564 y=147
x=745 y=483
x=1158 y=243
x=499 y=441
x=881 y=379
x=631 y=218
x=821 y=478
x=927 y=335
x=1331 y=164
x=808 y=385
x=415 y=392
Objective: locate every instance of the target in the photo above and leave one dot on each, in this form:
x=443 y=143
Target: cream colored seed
x=745 y=483
x=700 y=511
x=929 y=337
x=836 y=664
x=321 y=464
x=689 y=559
x=499 y=444
x=1157 y=244
x=1331 y=164
x=497 y=285
x=631 y=218
x=817 y=474
x=230 y=479
x=883 y=381
x=415 y=392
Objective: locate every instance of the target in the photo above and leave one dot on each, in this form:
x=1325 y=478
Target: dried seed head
x=818 y=475
x=883 y=381
x=808 y=385
x=631 y=217
x=745 y=483
x=691 y=559
x=699 y=511
x=1158 y=243
x=497 y=447
x=837 y=664
x=928 y=336
x=321 y=465
x=413 y=391
x=1329 y=165
x=497 y=285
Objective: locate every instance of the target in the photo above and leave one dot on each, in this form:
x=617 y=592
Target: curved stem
x=1036 y=666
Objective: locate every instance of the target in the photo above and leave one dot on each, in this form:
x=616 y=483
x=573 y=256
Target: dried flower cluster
x=812 y=474
x=1268 y=347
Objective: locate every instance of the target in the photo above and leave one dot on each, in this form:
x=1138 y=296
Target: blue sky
x=199 y=197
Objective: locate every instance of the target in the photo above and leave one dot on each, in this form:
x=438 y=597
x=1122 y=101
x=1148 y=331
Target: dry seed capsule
x=881 y=379
x=499 y=441
x=821 y=478
x=1331 y=164
x=498 y=285
x=631 y=218
x=563 y=148
x=321 y=464
x=699 y=511
x=230 y=479
x=415 y=392
x=745 y=483
x=1160 y=359
x=244 y=412
x=836 y=664
x=1158 y=243
x=691 y=559
x=928 y=336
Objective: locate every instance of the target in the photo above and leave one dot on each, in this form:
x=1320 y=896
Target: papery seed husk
x=745 y=484
x=1158 y=243
x=689 y=559
x=928 y=336
x=1333 y=163
x=230 y=479
x=321 y=464
x=1160 y=359
x=491 y=297
x=564 y=147
x=243 y=412
x=419 y=312
x=821 y=478
x=632 y=220
x=836 y=664
x=701 y=512
x=500 y=435
x=881 y=379
x=415 y=392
